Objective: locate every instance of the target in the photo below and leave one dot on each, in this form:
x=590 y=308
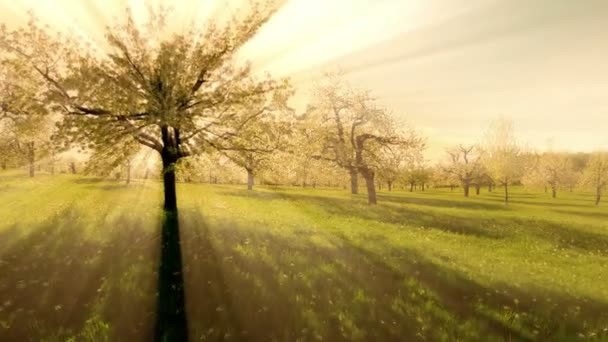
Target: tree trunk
x=553 y=192
x=451 y=187
x=314 y=184
x=128 y=172
x=31 y=156
x=73 y=168
x=412 y=187
x=465 y=187
x=506 y=193
x=371 y=186
x=598 y=195
x=422 y=186
x=390 y=185
x=354 y=181
x=249 y=179
x=490 y=187
x=545 y=188
x=169 y=161
x=4 y=165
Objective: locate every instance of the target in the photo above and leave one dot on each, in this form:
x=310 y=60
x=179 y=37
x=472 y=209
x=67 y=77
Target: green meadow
x=79 y=259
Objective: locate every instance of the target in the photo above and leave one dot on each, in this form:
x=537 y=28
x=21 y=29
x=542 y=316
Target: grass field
x=78 y=259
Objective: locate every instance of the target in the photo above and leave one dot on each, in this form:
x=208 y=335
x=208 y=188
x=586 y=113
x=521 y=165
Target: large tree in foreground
x=174 y=93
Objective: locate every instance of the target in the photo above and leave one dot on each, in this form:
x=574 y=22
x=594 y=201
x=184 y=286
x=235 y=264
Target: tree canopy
x=177 y=93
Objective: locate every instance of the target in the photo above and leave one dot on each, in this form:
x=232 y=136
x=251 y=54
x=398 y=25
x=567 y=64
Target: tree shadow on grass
x=63 y=281
x=88 y=180
x=563 y=235
x=171 y=323
x=8 y=236
x=462 y=203
x=555 y=203
x=387 y=213
x=592 y=214
x=248 y=283
x=108 y=184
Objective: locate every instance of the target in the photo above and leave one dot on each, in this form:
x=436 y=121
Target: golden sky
x=447 y=67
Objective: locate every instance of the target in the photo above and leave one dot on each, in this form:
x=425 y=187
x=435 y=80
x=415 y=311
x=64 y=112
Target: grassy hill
x=79 y=256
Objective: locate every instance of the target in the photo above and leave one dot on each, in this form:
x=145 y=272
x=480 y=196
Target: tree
x=465 y=165
x=395 y=161
x=415 y=174
x=419 y=174
x=441 y=179
x=554 y=168
x=211 y=168
x=174 y=94
x=551 y=170
x=332 y=116
x=9 y=155
x=254 y=145
x=503 y=159
x=354 y=130
x=104 y=162
x=303 y=149
x=23 y=114
x=571 y=178
x=115 y=159
x=595 y=174
x=7 y=151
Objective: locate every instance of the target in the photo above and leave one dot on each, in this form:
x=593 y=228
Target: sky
x=448 y=68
